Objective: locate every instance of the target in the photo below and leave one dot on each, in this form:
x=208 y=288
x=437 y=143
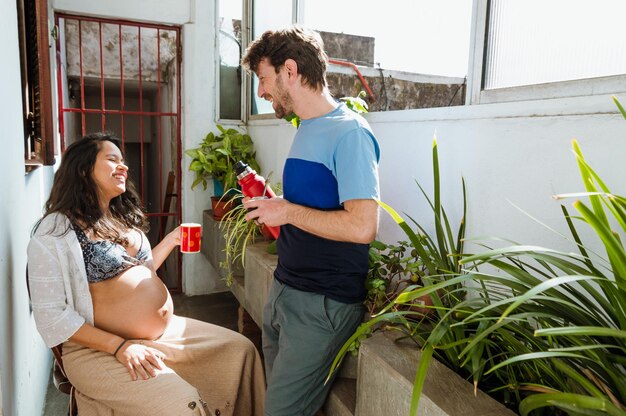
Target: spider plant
x=238 y=233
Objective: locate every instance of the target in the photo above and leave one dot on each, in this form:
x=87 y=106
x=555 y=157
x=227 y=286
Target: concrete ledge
x=238 y=289
x=385 y=384
x=341 y=400
x=259 y=267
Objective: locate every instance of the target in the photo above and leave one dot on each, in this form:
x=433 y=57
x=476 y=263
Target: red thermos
x=253 y=185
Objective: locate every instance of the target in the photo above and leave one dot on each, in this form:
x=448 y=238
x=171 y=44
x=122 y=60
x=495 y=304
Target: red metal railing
x=83 y=110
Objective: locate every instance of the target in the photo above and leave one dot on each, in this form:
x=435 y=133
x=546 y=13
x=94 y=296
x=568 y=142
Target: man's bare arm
x=357 y=222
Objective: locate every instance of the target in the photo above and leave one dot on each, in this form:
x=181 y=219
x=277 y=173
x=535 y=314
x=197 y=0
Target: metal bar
x=143 y=202
x=103 y=106
x=358 y=74
x=159 y=121
x=82 y=79
x=179 y=155
x=119 y=27
x=118 y=21
x=114 y=112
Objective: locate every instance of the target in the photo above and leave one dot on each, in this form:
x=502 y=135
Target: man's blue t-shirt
x=333 y=159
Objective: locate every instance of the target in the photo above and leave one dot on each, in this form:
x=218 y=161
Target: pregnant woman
x=94 y=289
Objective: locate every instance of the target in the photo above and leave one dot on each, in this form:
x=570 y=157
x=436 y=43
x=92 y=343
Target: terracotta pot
x=426 y=301
x=220 y=207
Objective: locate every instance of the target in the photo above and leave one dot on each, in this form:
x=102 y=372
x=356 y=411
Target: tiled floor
x=219 y=309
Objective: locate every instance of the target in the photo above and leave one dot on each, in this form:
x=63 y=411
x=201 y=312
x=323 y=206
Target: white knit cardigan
x=59 y=289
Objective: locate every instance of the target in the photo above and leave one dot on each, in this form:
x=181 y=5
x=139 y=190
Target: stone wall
x=352 y=48
x=92 y=32
x=391 y=92
x=397 y=94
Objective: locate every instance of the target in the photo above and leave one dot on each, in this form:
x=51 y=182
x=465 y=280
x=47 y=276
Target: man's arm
x=356 y=223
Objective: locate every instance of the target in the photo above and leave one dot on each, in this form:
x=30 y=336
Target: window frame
x=38 y=128
x=244 y=112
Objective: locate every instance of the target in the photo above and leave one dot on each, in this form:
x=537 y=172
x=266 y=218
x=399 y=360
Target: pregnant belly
x=134 y=305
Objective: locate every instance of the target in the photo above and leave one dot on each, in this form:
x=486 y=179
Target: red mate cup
x=190 y=237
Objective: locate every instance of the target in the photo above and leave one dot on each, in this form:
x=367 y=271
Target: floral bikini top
x=105 y=259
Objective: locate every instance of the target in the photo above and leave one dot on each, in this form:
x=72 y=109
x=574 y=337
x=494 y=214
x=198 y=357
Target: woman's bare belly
x=134 y=305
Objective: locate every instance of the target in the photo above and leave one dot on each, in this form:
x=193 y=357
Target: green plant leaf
x=582 y=331
x=570 y=402
x=619 y=106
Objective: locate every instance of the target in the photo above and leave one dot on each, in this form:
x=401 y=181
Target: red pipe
x=358 y=74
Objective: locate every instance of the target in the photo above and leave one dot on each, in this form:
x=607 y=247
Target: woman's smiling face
x=109 y=172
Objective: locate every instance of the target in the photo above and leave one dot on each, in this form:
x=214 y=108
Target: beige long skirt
x=210 y=370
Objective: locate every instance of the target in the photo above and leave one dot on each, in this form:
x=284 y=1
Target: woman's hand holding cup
x=190 y=237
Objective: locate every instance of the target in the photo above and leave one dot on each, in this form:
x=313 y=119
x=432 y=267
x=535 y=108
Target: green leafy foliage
x=429 y=263
x=392 y=268
x=217 y=155
x=545 y=332
x=356 y=104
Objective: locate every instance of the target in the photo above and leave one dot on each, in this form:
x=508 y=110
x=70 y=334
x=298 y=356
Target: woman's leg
x=104 y=387
x=223 y=365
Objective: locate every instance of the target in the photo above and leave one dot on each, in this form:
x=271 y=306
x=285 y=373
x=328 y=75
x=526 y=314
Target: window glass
x=419 y=36
x=230 y=55
x=534 y=41
x=267 y=14
x=408 y=53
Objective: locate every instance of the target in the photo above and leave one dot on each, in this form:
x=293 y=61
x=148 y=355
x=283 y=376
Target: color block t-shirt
x=333 y=159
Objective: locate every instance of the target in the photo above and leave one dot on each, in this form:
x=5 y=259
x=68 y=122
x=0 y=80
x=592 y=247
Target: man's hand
x=273 y=212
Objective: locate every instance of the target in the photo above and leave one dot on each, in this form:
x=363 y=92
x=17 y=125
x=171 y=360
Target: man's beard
x=282 y=103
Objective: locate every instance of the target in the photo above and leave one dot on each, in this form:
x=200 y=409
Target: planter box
x=259 y=272
x=385 y=383
x=380 y=382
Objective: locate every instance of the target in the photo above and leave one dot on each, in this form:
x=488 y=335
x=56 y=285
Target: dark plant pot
x=220 y=207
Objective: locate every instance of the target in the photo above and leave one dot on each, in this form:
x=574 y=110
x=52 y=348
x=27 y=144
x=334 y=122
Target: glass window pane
x=534 y=42
x=267 y=14
x=418 y=36
x=409 y=53
x=230 y=56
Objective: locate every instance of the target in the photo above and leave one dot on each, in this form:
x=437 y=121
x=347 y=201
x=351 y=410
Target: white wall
x=198 y=108
x=517 y=152
x=24 y=360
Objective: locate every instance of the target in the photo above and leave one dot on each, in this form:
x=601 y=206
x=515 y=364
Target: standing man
x=327 y=218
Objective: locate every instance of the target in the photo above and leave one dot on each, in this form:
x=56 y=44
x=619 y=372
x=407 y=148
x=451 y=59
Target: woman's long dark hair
x=74 y=193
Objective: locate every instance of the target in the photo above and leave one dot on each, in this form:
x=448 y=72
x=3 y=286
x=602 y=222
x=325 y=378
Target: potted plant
x=215 y=158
